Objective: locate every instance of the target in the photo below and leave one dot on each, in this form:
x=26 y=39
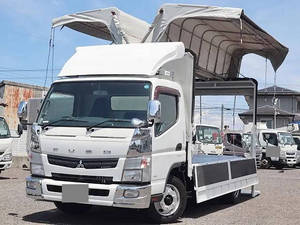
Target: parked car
x=5 y=146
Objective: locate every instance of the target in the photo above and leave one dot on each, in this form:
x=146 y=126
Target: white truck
x=239 y=143
x=278 y=148
x=5 y=146
x=208 y=140
x=116 y=128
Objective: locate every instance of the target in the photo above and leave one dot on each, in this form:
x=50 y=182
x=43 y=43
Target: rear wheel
x=172 y=205
x=72 y=208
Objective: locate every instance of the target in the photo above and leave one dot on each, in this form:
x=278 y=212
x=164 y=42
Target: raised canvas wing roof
x=219 y=37
x=109 y=24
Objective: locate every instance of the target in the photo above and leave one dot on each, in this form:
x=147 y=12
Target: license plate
x=76 y=193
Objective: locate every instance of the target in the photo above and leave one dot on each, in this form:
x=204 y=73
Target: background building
x=287 y=107
x=11 y=93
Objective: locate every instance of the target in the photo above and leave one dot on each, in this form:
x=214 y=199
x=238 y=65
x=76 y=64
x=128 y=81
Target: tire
x=232 y=198
x=265 y=163
x=72 y=208
x=174 y=201
x=279 y=166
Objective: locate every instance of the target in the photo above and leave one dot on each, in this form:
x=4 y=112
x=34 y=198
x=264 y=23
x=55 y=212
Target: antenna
x=266 y=71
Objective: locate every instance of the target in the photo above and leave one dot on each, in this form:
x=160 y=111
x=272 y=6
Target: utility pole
x=233 y=113
x=222 y=117
x=200 y=101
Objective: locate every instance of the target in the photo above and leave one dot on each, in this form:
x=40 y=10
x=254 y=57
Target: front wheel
x=265 y=163
x=172 y=205
x=72 y=208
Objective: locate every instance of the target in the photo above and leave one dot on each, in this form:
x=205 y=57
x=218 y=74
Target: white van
x=5 y=146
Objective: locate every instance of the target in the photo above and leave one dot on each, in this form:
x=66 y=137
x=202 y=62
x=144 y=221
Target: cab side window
x=169 y=112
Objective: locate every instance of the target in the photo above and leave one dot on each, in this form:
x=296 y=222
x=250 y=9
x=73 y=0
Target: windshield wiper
x=105 y=121
x=59 y=120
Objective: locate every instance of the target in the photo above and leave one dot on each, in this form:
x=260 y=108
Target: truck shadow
x=114 y=216
x=202 y=209
x=98 y=215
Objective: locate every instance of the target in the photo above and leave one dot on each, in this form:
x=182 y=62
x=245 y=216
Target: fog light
x=131 y=193
x=31 y=185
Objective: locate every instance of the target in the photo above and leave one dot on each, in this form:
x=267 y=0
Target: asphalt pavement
x=278 y=203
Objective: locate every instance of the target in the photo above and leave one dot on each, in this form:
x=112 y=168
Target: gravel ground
x=279 y=203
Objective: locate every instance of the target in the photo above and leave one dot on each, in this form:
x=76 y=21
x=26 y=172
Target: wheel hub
x=170 y=201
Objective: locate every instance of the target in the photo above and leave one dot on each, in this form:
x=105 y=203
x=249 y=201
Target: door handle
x=178 y=147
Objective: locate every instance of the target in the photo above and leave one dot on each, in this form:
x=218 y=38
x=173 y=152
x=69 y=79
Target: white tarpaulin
x=218 y=36
x=109 y=24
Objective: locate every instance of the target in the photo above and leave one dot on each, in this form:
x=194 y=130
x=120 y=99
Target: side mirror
x=137 y=122
x=22 y=110
x=20 y=129
x=154 y=111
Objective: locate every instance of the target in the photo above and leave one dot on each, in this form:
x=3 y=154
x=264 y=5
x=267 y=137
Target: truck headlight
x=137 y=169
x=7 y=157
x=37 y=169
x=34 y=139
x=36 y=164
x=132 y=176
x=141 y=142
x=137 y=166
x=282 y=154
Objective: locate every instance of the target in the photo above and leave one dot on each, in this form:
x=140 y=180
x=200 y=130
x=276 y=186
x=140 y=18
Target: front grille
x=103 y=163
x=288 y=153
x=94 y=192
x=82 y=178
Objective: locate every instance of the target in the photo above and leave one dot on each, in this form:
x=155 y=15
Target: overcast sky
x=25 y=30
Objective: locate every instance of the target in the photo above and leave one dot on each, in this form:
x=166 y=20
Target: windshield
x=4 y=130
x=208 y=134
x=286 y=138
x=269 y=138
x=84 y=104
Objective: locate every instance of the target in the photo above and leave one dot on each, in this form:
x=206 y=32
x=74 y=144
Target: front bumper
x=38 y=188
x=5 y=165
x=289 y=161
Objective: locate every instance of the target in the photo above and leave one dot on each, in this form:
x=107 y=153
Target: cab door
x=169 y=140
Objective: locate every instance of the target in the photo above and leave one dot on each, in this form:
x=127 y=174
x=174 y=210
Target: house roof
x=266 y=110
x=277 y=90
x=16 y=84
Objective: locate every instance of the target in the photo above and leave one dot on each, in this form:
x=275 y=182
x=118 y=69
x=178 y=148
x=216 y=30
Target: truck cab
x=208 y=140
x=296 y=137
x=278 y=148
x=5 y=145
